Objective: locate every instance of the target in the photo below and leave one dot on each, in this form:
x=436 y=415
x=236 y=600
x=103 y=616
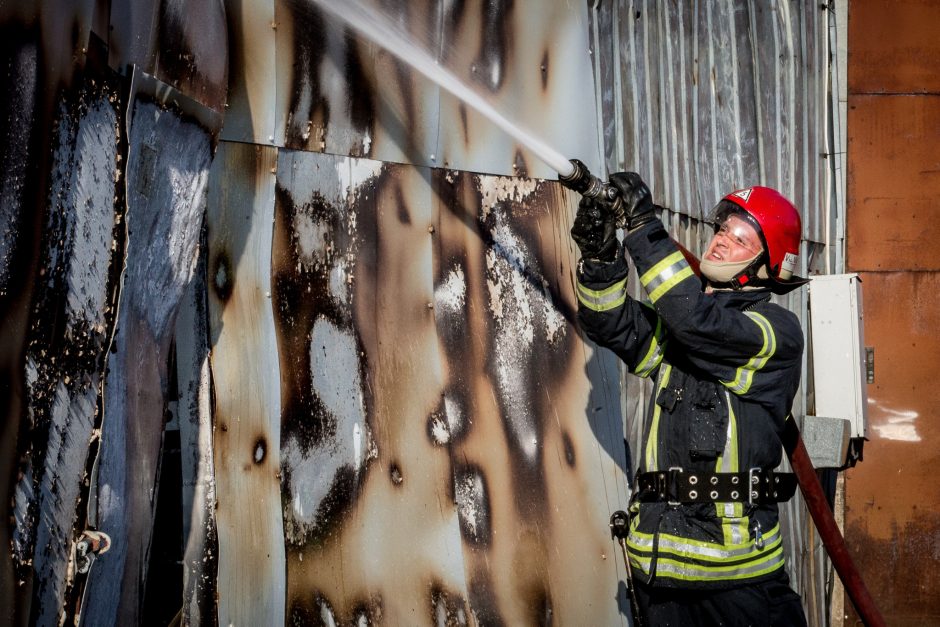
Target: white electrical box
x=841 y=366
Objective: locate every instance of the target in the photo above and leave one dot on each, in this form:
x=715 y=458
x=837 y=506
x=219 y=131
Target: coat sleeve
x=747 y=351
x=610 y=318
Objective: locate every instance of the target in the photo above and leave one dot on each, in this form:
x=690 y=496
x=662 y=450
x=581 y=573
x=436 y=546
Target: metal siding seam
x=636 y=101
x=684 y=120
x=716 y=191
x=791 y=97
x=673 y=173
x=735 y=105
x=650 y=174
x=777 y=130
x=618 y=90
x=755 y=54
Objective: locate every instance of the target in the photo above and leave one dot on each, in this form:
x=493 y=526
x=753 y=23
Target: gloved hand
x=636 y=197
x=594 y=230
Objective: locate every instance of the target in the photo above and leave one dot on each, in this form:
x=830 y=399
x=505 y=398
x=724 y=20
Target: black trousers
x=770 y=603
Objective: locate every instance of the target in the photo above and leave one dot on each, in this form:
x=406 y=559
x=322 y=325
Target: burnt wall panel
x=533 y=431
x=527 y=63
x=892 y=220
x=70 y=329
x=245 y=375
x=532 y=62
x=366 y=491
x=194 y=412
x=252 y=89
x=168 y=158
x=192 y=51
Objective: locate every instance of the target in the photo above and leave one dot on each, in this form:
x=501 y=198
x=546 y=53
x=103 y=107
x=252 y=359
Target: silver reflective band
x=603 y=300
x=665 y=275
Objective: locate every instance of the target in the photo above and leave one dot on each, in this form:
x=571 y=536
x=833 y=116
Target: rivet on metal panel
x=273 y=170
x=430 y=305
x=274 y=25
x=431 y=228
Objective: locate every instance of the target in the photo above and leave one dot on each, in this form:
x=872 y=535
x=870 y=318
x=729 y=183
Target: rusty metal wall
x=892 y=498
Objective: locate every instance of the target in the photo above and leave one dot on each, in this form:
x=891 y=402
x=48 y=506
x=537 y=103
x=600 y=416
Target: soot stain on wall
x=325 y=436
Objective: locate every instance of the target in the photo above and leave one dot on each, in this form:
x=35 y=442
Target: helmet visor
x=736 y=227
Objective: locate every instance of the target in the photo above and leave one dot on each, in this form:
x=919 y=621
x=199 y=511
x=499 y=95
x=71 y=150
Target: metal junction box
x=841 y=369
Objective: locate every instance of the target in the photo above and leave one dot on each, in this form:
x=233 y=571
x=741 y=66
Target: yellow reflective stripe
x=694 y=572
x=603 y=300
x=733 y=522
x=653 y=436
x=655 y=353
x=665 y=275
x=701 y=550
x=745 y=374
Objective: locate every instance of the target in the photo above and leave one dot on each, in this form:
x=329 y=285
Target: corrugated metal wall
x=279 y=309
x=703 y=98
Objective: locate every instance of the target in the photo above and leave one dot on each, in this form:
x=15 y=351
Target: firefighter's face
x=735 y=240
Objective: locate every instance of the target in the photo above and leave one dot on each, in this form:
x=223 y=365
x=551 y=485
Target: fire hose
x=582 y=181
x=829 y=532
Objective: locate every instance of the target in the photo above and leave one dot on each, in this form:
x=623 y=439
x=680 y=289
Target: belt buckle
x=753 y=487
x=672 y=489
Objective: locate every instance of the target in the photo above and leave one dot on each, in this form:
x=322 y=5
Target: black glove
x=636 y=198
x=594 y=230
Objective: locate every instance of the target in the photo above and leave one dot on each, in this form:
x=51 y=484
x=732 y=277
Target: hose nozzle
x=582 y=181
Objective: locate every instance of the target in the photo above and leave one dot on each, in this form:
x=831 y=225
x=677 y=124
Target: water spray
x=372 y=25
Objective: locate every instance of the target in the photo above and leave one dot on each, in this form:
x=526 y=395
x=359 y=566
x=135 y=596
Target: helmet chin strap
x=735 y=275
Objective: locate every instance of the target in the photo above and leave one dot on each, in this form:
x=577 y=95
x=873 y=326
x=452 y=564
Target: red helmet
x=778 y=225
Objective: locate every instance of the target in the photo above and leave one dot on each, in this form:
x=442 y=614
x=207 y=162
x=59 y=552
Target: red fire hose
x=826 y=525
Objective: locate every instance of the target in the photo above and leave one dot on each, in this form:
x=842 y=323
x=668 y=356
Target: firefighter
x=704 y=539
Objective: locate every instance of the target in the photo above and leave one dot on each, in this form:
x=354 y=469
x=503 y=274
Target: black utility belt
x=755 y=486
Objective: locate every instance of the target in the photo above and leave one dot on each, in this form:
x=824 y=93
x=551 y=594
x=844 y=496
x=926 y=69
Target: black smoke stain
x=494 y=45
x=447 y=608
x=474 y=512
x=545 y=69
x=483 y=600
x=221 y=276
x=259 y=451
x=401 y=205
x=569 y=449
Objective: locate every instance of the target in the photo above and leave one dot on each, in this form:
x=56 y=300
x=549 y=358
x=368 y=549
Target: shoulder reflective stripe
x=745 y=374
x=655 y=353
x=663 y=276
x=692 y=572
x=653 y=436
x=699 y=550
x=603 y=300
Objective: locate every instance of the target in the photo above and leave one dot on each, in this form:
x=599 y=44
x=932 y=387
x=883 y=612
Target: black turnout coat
x=726 y=366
